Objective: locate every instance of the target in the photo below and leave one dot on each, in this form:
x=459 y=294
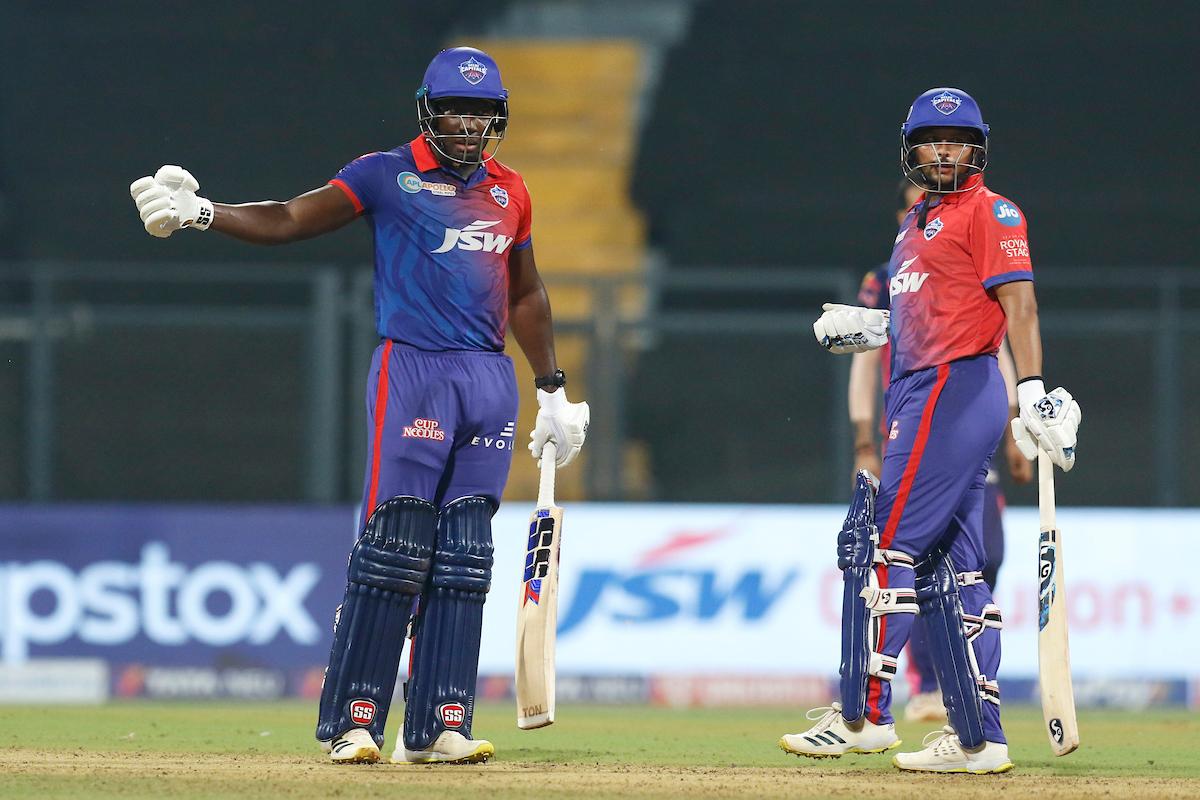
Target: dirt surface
x=89 y=774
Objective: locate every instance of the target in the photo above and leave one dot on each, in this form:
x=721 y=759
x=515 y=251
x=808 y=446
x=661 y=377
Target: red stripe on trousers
x=381 y=396
x=914 y=458
x=874 y=684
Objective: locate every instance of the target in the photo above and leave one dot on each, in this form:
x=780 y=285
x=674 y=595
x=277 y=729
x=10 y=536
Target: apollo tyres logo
x=904 y=281
x=475 y=237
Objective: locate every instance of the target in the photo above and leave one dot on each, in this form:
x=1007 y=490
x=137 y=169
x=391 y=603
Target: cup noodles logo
x=425 y=429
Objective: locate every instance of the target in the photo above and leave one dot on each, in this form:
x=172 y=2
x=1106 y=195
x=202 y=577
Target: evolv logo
x=474 y=237
x=654 y=595
x=113 y=602
x=907 y=281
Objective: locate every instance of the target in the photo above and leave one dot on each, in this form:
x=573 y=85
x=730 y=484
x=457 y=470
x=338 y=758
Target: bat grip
x=546 y=482
x=1046 y=510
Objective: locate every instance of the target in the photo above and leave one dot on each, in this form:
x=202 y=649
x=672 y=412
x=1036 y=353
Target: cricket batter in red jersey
x=959 y=276
x=454 y=269
x=870 y=369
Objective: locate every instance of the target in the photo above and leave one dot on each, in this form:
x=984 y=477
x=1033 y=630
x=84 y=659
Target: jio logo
x=1007 y=213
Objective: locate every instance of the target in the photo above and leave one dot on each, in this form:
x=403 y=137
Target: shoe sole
x=857 y=751
x=364 y=755
x=478 y=756
x=955 y=771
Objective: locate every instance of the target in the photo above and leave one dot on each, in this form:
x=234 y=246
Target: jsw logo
x=114 y=602
x=474 y=237
x=657 y=595
x=907 y=281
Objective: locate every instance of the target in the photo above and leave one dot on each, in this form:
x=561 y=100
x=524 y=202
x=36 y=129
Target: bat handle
x=546 y=483
x=1045 y=490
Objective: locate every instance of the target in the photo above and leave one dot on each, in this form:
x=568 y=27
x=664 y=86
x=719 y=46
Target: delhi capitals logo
x=931 y=230
x=947 y=103
x=472 y=71
x=500 y=195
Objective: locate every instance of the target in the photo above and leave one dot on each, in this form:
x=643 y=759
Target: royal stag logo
x=1046 y=569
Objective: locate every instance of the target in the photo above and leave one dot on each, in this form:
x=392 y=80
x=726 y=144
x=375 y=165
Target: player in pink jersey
x=868 y=371
x=959 y=276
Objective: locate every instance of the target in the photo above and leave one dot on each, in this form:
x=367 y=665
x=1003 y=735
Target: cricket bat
x=537 y=614
x=1054 y=652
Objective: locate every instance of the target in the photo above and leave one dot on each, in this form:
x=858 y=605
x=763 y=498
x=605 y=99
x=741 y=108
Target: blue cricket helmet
x=944 y=107
x=462 y=72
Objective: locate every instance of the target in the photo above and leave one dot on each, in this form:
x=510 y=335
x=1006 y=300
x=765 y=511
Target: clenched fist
x=168 y=202
x=851 y=329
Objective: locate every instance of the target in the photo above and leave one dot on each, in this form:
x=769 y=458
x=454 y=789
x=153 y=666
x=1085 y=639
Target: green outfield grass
x=190 y=750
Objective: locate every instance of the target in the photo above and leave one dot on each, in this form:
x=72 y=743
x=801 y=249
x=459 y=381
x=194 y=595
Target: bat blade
x=537 y=610
x=1054 y=652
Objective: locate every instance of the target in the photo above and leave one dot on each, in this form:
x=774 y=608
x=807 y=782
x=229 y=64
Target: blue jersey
x=442 y=245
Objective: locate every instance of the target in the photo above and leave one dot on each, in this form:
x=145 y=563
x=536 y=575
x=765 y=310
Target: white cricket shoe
x=451 y=747
x=944 y=753
x=925 y=707
x=832 y=737
x=355 y=746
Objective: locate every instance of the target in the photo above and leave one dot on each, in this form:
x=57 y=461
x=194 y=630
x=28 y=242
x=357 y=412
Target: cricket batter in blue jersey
x=454 y=269
x=959 y=276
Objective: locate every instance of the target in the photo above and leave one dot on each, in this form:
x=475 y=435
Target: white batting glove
x=559 y=421
x=168 y=202
x=1049 y=421
x=851 y=329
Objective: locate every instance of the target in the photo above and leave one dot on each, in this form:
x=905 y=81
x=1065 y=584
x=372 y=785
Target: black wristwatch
x=556 y=378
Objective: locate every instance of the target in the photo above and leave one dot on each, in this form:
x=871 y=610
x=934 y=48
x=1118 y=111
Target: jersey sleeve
x=525 y=223
x=872 y=292
x=1000 y=243
x=359 y=180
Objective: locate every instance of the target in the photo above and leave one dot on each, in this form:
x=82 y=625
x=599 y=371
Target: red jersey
x=941 y=279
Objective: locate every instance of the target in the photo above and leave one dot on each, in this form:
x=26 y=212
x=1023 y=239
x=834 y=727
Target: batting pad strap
x=881 y=666
x=893 y=558
x=890 y=601
x=988 y=617
x=989 y=691
x=970 y=578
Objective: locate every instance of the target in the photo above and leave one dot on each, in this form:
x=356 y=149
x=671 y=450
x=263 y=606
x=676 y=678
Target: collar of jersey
x=426 y=161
